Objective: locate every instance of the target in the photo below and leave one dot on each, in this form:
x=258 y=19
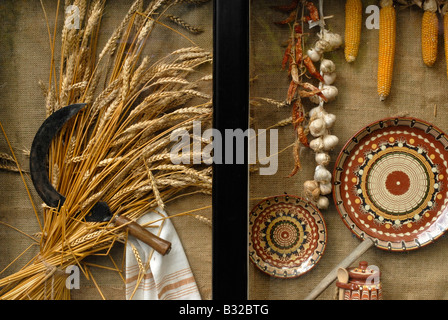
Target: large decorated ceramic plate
x=287 y=236
x=390 y=183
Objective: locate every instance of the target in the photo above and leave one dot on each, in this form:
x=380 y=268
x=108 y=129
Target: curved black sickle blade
x=39 y=150
x=99 y=213
x=40 y=177
x=39 y=163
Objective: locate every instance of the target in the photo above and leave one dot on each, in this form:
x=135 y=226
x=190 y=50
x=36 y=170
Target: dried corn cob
x=445 y=32
x=430 y=32
x=386 y=52
x=353 y=21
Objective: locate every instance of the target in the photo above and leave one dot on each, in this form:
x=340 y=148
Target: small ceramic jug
x=359 y=283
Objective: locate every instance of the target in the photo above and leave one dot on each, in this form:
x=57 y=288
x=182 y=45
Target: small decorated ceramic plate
x=390 y=183
x=287 y=236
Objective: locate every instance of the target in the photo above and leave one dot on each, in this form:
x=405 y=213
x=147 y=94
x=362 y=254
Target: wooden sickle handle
x=160 y=245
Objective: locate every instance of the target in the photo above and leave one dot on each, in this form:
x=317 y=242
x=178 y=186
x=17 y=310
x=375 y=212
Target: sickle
x=39 y=175
x=39 y=151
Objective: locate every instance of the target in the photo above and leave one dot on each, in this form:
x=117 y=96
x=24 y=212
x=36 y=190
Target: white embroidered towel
x=168 y=277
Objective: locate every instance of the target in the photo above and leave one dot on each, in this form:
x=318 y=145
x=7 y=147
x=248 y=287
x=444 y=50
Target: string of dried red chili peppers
x=318 y=122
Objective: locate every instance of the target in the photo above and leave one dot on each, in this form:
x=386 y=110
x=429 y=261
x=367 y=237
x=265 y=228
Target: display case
x=111 y=55
x=276 y=163
x=350 y=156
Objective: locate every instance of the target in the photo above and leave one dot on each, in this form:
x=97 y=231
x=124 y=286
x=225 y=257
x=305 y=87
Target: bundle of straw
x=117 y=149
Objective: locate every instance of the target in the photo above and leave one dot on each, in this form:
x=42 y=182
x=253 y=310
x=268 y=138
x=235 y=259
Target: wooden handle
x=363 y=247
x=341 y=293
x=160 y=245
x=343 y=278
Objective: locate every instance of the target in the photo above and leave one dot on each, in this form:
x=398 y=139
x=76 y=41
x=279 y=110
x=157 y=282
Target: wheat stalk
x=180 y=22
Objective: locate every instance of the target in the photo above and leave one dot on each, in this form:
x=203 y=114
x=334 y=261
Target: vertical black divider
x=230 y=180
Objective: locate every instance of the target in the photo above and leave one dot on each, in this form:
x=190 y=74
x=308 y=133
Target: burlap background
x=24 y=60
x=417 y=91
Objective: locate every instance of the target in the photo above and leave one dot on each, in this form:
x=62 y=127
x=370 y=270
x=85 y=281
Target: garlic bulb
x=317 y=127
x=329 y=78
x=321 y=174
x=329 y=142
x=327 y=66
x=311 y=185
x=325 y=188
x=315 y=99
x=322 y=158
x=334 y=40
x=314 y=55
x=312 y=189
x=329 y=120
x=321 y=46
x=317 y=112
x=315 y=194
x=330 y=92
x=317 y=144
x=323 y=203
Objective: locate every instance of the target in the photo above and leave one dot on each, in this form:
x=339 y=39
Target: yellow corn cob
x=430 y=33
x=353 y=21
x=386 y=52
x=445 y=33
